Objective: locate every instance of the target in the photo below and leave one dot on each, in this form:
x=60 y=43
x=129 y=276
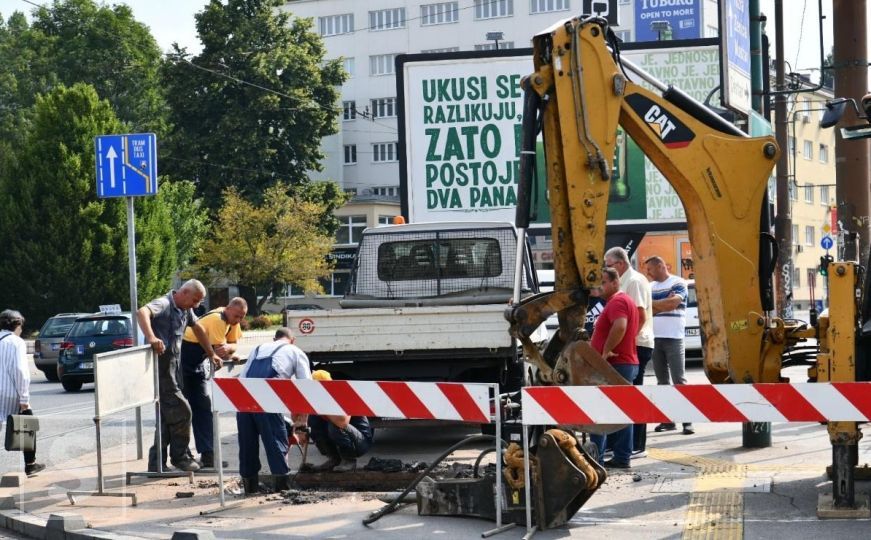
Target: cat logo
x=671 y=131
x=658 y=121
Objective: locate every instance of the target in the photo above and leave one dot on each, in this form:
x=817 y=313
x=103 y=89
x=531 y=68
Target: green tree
x=251 y=109
x=829 y=72
x=265 y=246
x=74 y=41
x=190 y=219
x=65 y=249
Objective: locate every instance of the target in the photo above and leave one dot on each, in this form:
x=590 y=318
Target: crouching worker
x=279 y=359
x=342 y=439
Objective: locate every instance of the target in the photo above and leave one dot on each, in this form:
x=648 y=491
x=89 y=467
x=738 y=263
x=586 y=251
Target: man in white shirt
x=638 y=288
x=280 y=359
x=669 y=322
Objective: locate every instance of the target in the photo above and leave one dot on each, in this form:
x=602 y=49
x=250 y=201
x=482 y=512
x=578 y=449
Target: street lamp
x=835 y=110
x=495 y=37
x=662 y=29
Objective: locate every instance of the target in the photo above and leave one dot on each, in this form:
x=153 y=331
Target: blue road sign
x=827 y=242
x=126 y=165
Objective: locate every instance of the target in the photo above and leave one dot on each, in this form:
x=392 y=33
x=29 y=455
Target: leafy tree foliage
x=279 y=241
x=190 y=219
x=74 y=41
x=251 y=109
x=66 y=250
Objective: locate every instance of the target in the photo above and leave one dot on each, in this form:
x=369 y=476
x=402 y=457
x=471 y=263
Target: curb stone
x=36 y=527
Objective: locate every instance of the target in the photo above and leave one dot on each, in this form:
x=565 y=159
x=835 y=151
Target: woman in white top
x=15 y=377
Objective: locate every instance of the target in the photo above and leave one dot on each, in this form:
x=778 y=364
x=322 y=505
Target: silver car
x=47 y=344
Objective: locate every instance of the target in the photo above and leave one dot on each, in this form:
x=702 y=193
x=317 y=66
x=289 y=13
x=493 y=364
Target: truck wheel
x=71 y=385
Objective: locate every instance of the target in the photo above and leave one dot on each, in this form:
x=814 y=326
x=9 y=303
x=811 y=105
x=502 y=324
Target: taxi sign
x=110 y=309
x=827 y=242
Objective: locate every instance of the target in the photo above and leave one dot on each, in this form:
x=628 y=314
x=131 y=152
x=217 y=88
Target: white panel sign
x=124 y=379
x=462 y=126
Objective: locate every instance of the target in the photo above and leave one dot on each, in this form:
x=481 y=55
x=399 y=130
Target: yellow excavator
x=580 y=92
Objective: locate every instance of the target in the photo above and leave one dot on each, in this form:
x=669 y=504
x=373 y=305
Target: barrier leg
x=499 y=492
x=71 y=495
x=140 y=452
x=527 y=489
x=216 y=424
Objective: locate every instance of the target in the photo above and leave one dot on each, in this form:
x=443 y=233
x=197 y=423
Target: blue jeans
x=620 y=441
x=348 y=443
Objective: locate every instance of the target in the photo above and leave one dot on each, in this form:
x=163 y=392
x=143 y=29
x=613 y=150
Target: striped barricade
x=387 y=399
x=776 y=402
x=463 y=402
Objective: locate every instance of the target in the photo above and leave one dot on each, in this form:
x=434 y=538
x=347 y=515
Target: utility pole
x=783 y=220
x=850 y=58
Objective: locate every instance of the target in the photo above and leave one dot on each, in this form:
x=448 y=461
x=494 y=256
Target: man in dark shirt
x=342 y=439
x=163 y=322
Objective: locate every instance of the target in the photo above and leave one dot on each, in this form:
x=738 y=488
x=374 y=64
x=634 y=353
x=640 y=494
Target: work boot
x=280 y=483
x=688 y=429
x=666 y=426
x=207 y=460
x=327 y=465
x=347 y=465
x=152 y=461
x=187 y=465
x=251 y=485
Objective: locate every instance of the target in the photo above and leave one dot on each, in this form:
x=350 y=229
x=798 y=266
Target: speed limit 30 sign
x=306 y=326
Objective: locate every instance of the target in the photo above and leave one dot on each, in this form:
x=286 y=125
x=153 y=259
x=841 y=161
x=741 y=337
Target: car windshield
x=57 y=327
x=100 y=327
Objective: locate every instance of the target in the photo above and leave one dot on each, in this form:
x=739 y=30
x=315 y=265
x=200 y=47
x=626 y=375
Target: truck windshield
x=451 y=258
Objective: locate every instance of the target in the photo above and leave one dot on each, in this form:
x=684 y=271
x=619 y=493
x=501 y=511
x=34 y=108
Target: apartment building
x=811 y=153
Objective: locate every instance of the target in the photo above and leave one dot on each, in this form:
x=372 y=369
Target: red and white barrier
x=801 y=402
x=386 y=399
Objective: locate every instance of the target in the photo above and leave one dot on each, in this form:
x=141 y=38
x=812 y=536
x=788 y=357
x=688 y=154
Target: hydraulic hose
x=393 y=505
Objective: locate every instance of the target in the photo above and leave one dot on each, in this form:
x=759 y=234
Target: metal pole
x=99 y=457
x=526 y=480
x=216 y=424
x=518 y=263
x=134 y=305
x=498 y=419
x=783 y=220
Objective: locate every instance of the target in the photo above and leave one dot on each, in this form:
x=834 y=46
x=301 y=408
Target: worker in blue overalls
x=279 y=359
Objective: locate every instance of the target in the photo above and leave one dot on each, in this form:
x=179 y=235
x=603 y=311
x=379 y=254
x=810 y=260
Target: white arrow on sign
x=111 y=156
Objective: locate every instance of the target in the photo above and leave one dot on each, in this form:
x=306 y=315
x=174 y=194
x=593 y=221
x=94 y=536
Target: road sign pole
x=134 y=305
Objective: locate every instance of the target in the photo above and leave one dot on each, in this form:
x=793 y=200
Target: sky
x=173 y=21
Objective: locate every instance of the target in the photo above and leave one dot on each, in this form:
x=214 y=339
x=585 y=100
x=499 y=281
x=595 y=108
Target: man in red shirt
x=614 y=338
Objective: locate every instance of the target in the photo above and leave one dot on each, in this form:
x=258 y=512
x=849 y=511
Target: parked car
x=47 y=344
x=692 y=331
x=90 y=335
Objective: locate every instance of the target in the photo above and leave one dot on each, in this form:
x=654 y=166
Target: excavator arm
x=580 y=93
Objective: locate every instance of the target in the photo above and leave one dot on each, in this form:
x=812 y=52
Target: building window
x=337 y=284
x=384 y=152
x=387 y=19
x=809 y=194
x=442 y=50
x=350 y=229
x=348 y=64
x=441 y=13
x=795 y=234
x=545 y=6
x=824 y=195
x=809 y=235
x=382 y=64
x=349 y=110
x=808 y=150
x=492 y=46
x=793 y=192
x=824 y=153
x=350 y=154
x=711 y=31
x=490 y=9
x=383 y=107
x=385 y=220
x=796 y=277
x=386 y=191
x=334 y=25
x=791 y=145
